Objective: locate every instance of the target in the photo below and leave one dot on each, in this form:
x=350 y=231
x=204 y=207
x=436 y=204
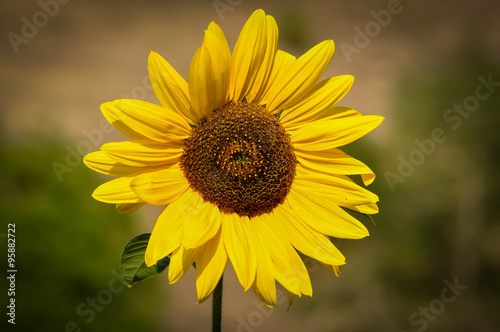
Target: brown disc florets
x=240 y=159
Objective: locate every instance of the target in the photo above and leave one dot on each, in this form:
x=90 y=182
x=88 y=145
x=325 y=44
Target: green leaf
x=133 y=268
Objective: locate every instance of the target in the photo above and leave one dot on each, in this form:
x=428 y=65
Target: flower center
x=240 y=159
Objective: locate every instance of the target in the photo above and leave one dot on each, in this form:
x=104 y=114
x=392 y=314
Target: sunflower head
x=240 y=158
x=245 y=156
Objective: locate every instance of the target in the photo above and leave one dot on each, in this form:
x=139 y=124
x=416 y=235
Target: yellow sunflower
x=245 y=156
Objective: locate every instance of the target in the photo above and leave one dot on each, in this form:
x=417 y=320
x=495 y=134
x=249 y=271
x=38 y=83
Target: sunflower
x=245 y=157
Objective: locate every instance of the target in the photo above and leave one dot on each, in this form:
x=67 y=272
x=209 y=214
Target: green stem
x=217 y=307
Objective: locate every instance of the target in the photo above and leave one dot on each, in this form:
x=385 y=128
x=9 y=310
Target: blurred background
x=432 y=262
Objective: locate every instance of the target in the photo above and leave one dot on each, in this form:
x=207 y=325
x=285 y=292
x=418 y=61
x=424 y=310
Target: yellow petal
x=331 y=133
x=305 y=239
x=128 y=207
x=253 y=55
x=264 y=285
x=209 y=73
x=160 y=187
x=100 y=162
x=324 y=216
x=334 y=162
x=260 y=82
x=200 y=223
x=141 y=153
x=170 y=88
x=116 y=191
x=217 y=31
x=322 y=96
x=301 y=76
x=238 y=248
x=366 y=208
x=287 y=266
x=142 y=120
x=175 y=265
x=167 y=233
x=339 y=189
x=210 y=265
x=180 y=262
x=282 y=63
x=335 y=112
x=248 y=50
